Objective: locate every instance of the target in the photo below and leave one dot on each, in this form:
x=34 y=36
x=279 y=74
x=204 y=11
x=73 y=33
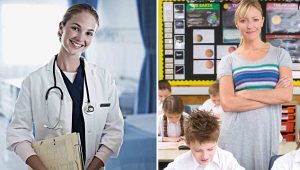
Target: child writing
x=171 y=123
x=164 y=91
x=212 y=105
x=201 y=133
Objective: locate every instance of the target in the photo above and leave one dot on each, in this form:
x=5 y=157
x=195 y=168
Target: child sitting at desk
x=289 y=161
x=201 y=134
x=170 y=124
x=164 y=91
x=212 y=105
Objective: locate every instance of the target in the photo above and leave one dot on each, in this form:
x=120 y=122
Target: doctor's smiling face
x=77 y=29
x=78 y=32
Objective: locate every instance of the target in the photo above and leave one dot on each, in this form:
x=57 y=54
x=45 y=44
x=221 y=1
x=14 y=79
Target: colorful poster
x=203 y=14
x=168 y=11
x=228 y=15
x=194 y=35
x=291 y=43
x=231 y=36
x=179 y=26
x=178 y=11
x=179 y=42
x=223 y=50
x=230 y=33
x=179 y=72
x=179 y=57
x=203 y=67
x=203 y=52
x=203 y=36
x=283 y=18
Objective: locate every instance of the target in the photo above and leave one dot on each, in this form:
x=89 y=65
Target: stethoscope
x=88 y=108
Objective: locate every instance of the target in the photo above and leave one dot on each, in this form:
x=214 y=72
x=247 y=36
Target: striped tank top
x=259 y=77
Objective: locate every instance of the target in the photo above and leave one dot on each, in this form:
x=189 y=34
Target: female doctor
x=69 y=95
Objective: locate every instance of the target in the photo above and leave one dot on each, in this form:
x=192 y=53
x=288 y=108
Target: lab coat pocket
x=102 y=110
x=103 y=107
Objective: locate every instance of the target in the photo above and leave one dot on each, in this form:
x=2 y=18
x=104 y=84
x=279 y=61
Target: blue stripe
x=265 y=76
x=260 y=75
x=256 y=72
x=250 y=80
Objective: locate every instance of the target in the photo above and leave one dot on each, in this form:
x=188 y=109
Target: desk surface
x=286 y=147
x=168 y=155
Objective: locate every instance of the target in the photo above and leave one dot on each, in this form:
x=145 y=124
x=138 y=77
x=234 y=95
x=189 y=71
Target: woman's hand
x=283 y=82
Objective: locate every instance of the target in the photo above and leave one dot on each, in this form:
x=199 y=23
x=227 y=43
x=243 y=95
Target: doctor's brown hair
x=173 y=105
x=201 y=127
x=76 y=9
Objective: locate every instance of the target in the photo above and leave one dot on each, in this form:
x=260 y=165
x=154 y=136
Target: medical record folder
x=60 y=153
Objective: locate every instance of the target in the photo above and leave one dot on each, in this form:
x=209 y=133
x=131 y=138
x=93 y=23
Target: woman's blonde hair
x=243 y=8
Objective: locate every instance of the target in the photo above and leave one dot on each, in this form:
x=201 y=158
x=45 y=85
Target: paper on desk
x=167 y=145
x=60 y=153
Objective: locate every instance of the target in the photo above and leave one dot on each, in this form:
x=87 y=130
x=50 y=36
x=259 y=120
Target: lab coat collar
x=90 y=80
x=59 y=79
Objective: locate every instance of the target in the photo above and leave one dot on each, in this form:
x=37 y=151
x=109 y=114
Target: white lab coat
x=104 y=127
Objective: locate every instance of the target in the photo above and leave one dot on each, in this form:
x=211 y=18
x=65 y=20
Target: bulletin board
x=195 y=34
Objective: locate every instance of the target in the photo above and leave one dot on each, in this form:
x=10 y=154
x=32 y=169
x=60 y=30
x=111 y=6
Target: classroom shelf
x=288 y=121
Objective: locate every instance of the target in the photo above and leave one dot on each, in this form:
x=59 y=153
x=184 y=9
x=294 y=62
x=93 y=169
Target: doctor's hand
x=96 y=164
x=35 y=163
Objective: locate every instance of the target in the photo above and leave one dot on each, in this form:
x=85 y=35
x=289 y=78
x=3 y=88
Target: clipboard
x=60 y=153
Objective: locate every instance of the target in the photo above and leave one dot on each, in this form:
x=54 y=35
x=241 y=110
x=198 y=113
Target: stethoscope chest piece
x=88 y=109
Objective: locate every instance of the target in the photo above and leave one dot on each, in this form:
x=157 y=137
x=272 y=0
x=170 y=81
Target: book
x=173 y=145
x=60 y=153
x=182 y=145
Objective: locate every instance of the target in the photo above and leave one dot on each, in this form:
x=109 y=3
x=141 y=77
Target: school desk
x=168 y=155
